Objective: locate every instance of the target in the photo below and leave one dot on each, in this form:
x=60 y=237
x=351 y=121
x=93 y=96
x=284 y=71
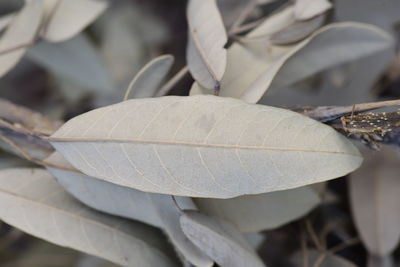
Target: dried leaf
x=256 y=213
x=155 y=209
x=374 y=195
x=71 y=16
x=219 y=240
x=75 y=60
x=307 y=9
x=206 y=55
x=203 y=146
x=147 y=81
x=32 y=201
x=20 y=32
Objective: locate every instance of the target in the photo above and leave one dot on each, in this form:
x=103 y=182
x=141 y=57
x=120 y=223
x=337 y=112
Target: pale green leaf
x=206 y=55
x=21 y=31
x=70 y=17
x=219 y=240
x=155 y=209
x=204 y=146
x=147 y=81
x=32 y=201
x=256 y=213
x=75 y=60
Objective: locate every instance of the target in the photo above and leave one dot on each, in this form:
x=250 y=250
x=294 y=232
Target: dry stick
x=313 y=235
x=304 y=250
x=335 y=249
x=174 y=80
x=28 y=157
x=326 y=113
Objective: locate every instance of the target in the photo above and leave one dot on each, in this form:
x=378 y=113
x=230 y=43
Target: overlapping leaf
x=219 y=240
x=20 y=32
x=31 y=200
x=261 y=212
x=154 y=209
x=206 y=55
x=203 y=146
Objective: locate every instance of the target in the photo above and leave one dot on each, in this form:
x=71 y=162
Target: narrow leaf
x=203 y=146
x=71 y=16
x=21 y=31
x=307 y=9
x=374 y=195
x=75 y=60
x=253 y=213
x=219 y=240
x=206 y=55
x=147 y=81
x=32 y=201
x=155 y=209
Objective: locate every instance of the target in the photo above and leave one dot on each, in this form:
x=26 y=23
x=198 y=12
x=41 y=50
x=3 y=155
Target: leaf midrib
x=180 y=143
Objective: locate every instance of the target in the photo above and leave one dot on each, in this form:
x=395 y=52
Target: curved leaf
x=256 y=213
x=307 y=9
x=203 y=146
x=147 y=81
x=331 y=45
x=219 y=240
x=20 y=32
x=374 y=195
x=206 y=55
x=71 y=16
x=32 y=201
x=157 y=210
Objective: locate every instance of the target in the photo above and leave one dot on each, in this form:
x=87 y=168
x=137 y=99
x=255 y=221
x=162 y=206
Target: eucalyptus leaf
x=75 y=60
x=70 y=17
x=219 y=240
x=20 y=32
x=147 y=81
x=374 y=190
x=206 y=55
x=154 y=209
x=203 y=146
x=307 y=9
x=256 y=213
x=33 y=202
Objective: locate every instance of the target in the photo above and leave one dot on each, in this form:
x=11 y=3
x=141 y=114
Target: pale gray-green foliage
x=206 y=55
x=204 y=146
x=260 y=212
x=307 y=9
x=31 y=200
x=74 y=60
x=154 y=209
x=219 y=240
x=283 y=65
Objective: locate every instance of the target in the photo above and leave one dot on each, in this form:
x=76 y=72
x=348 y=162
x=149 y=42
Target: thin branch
x=173 y=81
x=313 y=235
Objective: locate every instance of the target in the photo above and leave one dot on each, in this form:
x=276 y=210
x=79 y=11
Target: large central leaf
x=204 y=146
